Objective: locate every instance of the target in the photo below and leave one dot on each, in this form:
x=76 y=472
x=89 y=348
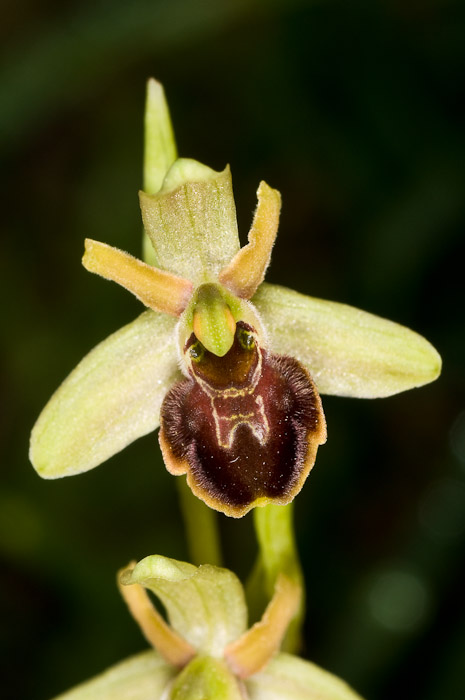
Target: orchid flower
x=229 y=367
x=206 y=650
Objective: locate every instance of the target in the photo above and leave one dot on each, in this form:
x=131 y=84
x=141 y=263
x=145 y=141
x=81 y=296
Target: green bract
x=223 y=660
x=207 y=301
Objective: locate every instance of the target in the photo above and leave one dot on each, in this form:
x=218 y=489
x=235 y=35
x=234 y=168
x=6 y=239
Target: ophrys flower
x=206 y=650
x=246 y=420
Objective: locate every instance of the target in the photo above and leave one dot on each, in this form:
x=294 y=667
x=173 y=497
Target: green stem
x=201 y=526
x=277 y=553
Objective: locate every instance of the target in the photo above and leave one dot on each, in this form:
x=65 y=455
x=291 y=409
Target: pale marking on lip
x=225 y=427
x=232 y=391
x=255 y=419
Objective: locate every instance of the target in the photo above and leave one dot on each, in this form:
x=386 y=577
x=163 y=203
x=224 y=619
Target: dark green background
x=352 y=110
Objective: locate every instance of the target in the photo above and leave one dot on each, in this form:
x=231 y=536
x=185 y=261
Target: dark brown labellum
x=245 y=427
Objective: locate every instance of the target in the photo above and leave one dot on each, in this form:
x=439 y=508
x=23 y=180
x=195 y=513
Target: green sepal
x=140 y=677
x=347 y=351
x=205 y=604
x=287 y=677
x=109 y=400
x=205 y=678
x=192 y=221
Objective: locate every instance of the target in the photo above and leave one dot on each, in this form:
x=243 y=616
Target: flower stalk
x=201 y=528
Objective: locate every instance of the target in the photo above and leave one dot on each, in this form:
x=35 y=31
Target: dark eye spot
x=246 y=339
x=197 y=351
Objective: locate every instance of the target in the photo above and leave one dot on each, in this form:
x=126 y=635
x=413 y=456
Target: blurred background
x=354 y=112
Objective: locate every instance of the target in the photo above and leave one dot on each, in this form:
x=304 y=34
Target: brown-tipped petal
x=157 y=289
x=246 y=271
x=246 y=427
x=252 y=651
x=174 y=649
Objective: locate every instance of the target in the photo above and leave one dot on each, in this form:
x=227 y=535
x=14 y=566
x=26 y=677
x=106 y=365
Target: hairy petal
x=112 y=398
x=348 y=352
x=157 y=289
x=140 y=677
x=252 y=651
x=174 y=649
x=246 y=271
x=289 y=677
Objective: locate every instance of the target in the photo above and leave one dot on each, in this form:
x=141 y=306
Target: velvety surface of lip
x=245 y=427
